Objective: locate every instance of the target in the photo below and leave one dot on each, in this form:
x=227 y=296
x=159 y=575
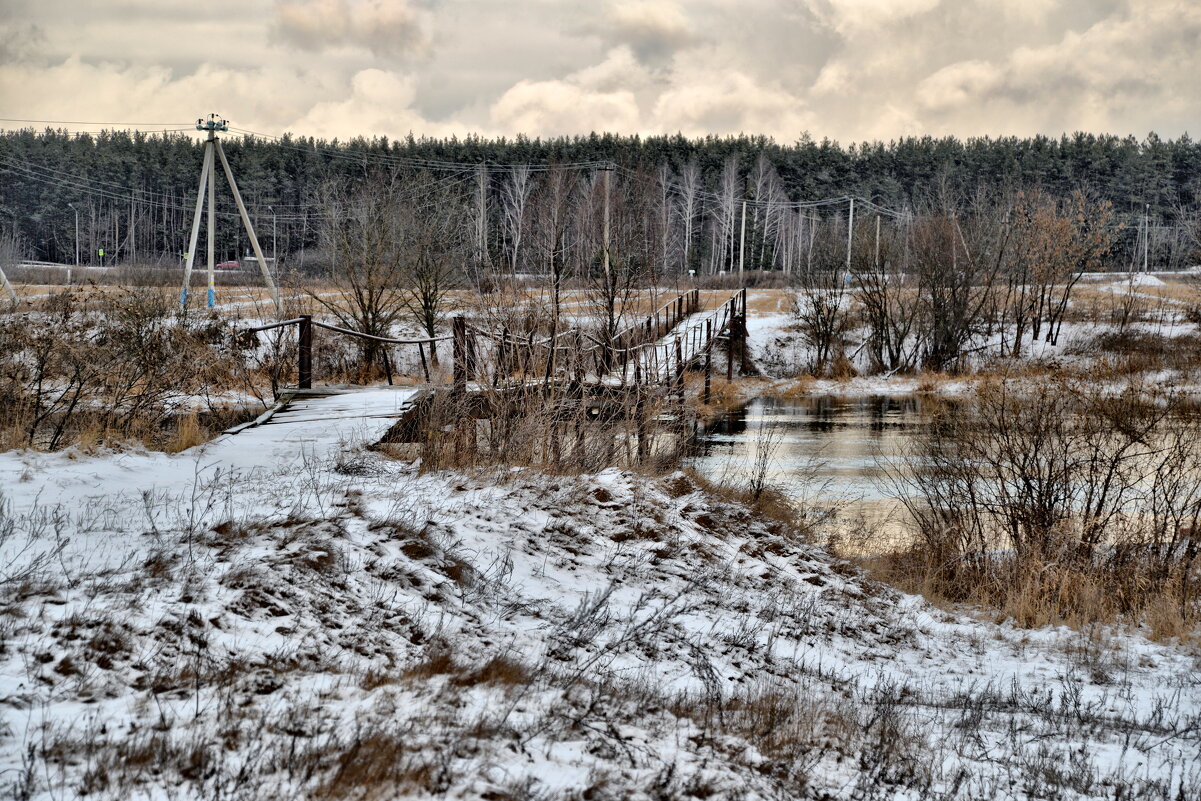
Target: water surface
x=826 y=451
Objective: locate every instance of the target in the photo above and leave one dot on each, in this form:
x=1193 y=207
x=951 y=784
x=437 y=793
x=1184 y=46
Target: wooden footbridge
x=647 y=358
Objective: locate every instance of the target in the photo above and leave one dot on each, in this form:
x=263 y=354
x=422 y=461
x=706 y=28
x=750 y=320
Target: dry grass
x=770 y=505
x=1036 y=593
x=797 y=389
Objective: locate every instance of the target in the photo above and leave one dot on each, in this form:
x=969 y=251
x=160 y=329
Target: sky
x=850 y=70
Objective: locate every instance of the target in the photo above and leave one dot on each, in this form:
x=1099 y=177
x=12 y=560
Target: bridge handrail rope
x=684 y=301
x=269 y=326
x=511 y=339
x=690 y=342
x=391 y=340
x=350 y=332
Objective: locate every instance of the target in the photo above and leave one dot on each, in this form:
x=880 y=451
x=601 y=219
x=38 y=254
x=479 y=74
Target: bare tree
x=956 y=258
x=689 y=207
x=886 y=298
x=515 y=196
x=365 y=230
x=725 y=216
x=437 y=248
x=552 y=231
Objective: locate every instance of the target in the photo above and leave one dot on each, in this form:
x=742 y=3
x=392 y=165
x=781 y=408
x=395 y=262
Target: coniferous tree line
x=133 y=193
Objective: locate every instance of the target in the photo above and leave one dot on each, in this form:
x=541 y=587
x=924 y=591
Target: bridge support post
x=730 y=343
x=742 y=334
x=459 y=331
x=707 y=396
x=679 y=377
x=304 y=371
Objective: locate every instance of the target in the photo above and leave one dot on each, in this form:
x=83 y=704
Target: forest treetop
x=45 y=170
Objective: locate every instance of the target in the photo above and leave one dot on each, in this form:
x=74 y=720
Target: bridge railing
x=637 y=353
x=573 y=353
x=665 y=359
x=305 y=325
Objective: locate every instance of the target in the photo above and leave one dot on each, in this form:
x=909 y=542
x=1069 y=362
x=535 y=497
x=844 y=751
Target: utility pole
x=212 y=189
x=608 y=170
x=72 y=205
x=1146 y=235
x=481 y=222
x=850 y=230
x=212 y=152
x=8 y=288
x=742 y=245
x=877 y=242
x=274 y=262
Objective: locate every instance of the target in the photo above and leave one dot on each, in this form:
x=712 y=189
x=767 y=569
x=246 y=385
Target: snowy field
x=252 y=619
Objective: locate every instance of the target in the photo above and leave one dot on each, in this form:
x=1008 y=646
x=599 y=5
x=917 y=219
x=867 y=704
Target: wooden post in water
x=502 y=353
x=304 y=375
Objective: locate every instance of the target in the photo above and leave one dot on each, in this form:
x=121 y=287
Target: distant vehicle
x=228 y=265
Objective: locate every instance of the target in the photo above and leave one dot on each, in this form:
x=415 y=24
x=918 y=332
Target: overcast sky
x=848 y=69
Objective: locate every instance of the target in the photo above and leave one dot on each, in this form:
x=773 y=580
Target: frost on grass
x=375 y=633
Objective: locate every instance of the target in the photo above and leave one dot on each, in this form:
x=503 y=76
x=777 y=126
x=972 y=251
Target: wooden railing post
x=459 y=331
x=680 y=366
x=502 y=354
x=731 y=327
x=304 y=366
x=425 y=369
x=742 y=336
x=708 y=362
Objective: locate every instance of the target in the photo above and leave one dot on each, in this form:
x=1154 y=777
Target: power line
x=86 y=122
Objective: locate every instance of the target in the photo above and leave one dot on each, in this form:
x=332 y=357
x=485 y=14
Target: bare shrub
x=111 y=369
x=1058 y=506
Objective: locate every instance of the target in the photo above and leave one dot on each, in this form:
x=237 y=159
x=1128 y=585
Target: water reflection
x=827 y=450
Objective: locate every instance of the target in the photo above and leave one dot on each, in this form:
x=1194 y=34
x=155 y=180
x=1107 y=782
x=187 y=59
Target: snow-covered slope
x=340 y=625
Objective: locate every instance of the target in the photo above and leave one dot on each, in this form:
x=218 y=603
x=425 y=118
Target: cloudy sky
x=847 y=69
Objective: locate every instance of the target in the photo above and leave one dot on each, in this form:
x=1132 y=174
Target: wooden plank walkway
x=326 y=418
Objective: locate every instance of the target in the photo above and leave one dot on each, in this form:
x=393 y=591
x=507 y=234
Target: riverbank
x=348 y=625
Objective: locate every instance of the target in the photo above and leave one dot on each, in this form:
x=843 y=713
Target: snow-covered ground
x=780 y=352
x=257 y=619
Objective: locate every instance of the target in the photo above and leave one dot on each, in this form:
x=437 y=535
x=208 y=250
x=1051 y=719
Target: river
x=827 y=452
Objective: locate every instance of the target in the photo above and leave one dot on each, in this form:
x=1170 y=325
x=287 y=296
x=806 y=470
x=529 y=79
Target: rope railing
x=515 y=352
x=372 y=337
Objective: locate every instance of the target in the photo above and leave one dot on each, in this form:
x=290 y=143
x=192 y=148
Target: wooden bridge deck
x=330 y=416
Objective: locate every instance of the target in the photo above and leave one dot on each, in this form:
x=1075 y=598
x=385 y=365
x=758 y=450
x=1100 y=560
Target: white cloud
x=385 y=27
x=380 y=103
x=560 y=107
x=731 y=102
x=849 y=16
x=848 y=69
x=652 y=28
x=959 y=84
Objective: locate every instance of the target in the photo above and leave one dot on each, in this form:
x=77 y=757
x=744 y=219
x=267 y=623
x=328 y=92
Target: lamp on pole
x=72 y=205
